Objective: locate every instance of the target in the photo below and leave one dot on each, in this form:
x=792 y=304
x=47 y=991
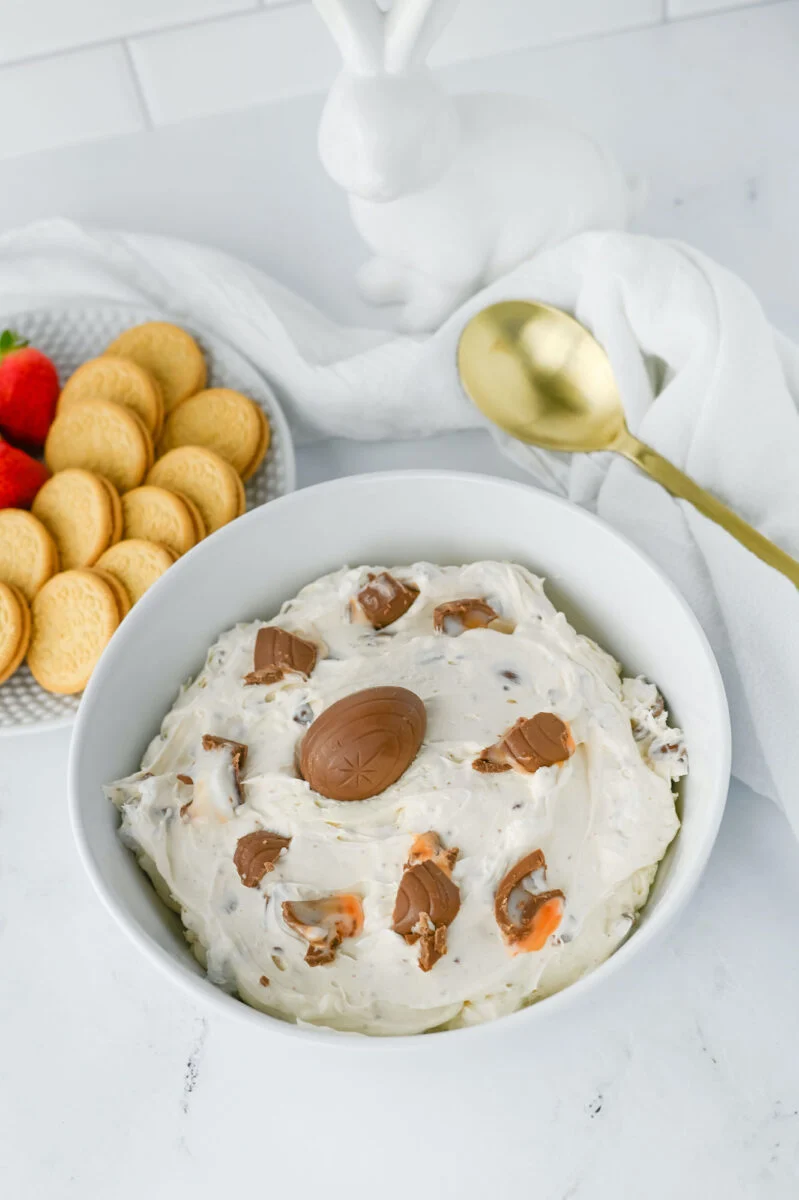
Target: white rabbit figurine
x=448 y=192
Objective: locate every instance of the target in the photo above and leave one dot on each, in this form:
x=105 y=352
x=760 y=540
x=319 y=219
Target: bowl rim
x=202 y=990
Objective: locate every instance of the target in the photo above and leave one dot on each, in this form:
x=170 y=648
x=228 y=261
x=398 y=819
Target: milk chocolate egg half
x=362 y=744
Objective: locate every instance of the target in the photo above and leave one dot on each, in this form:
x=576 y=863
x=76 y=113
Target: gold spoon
x=538 y=374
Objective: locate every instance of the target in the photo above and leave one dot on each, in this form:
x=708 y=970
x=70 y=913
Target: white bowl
x=606 y=586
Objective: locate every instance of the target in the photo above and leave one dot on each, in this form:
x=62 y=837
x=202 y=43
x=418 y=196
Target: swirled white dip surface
x=603 y=819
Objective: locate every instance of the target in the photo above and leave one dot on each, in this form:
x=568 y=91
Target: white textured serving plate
x=607 y=587
x=71 y=334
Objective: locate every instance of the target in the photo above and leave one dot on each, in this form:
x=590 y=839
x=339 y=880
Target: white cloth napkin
x=704 y=378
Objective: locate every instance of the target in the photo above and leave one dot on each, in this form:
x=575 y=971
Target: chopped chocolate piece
x=432 y=943
x=424 y=888
x=279 y=653
x=513 y=676
x=385 y=599
x=662 y=748
x=488 y=765
x=256 y=854
x=324 y=924
x=527 y=917
x=264 y=982
x=188 y=781
x=319 y=955
x=238 y=754
x=362 y=744
x=539 y=741
x=456 y=616
x=427 y=899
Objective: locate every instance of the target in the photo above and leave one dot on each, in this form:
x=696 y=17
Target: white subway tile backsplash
x=72 y=98
x=691 y=8
x=285 y=49
x=29 y=28
x=191 y=58
x=223 y=65
x=479 y=29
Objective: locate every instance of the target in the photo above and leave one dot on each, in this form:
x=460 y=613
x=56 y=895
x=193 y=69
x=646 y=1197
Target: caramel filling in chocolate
x=456 y=616
x=526 y=912
x=324 y=924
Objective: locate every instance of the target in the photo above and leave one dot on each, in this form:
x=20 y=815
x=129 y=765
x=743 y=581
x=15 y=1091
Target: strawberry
x=28 y=391
x=20 y=477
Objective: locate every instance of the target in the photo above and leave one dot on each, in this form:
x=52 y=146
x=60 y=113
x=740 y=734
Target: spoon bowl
x=543 y=378
x=540 y=376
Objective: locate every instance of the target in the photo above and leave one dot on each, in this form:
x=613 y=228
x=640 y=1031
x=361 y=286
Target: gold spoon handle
x=682 y=486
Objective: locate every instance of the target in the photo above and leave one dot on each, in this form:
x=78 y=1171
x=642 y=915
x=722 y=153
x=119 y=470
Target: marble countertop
x=679 y=1077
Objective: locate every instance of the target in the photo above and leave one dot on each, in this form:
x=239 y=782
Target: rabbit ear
x=357 y=29
x=411 y=28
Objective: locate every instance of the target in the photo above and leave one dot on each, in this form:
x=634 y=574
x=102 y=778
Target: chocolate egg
x=362 y=744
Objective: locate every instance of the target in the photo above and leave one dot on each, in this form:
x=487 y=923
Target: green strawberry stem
x=10 y=341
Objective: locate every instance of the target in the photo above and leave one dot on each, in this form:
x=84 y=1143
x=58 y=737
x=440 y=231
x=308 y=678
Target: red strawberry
x=20 y=477
x=28 y=391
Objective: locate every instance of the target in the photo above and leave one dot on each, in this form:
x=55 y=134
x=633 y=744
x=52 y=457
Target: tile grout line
x=150 y=123
x=254 y=9
x=572 y=39
x=321 y=88
x=260 y=6
x=138 y=86
x=725 y=10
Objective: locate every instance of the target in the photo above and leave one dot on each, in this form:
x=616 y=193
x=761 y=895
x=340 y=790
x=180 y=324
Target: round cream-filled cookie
x=15 y=629
x=167 y=353
x=28 y=553
x=82 y=512
x=74 y=616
